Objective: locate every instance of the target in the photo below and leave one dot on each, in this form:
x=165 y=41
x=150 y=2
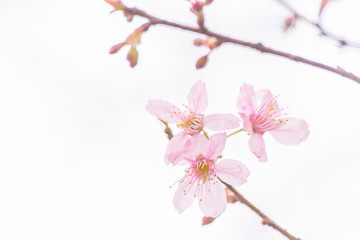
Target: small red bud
x=230 y=196
x=201 y=62
x=116 y=48
x=117 y=4
x=290 y=22
x=323 y=4
x=145 y=27
x=198 y=42
x=197 y=6
x=207 y=220
x=132 y=57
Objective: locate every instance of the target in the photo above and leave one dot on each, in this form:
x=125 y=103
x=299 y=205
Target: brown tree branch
x=265 y=219
x=167 y=130
x=257 y=46
x=323 y=32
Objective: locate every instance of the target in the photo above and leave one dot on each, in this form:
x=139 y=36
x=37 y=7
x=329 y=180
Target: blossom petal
x=221 y=121
x=176 y=148
x=294 y=132
x=184 y=195
x=197 y=97
x=263 y=95
x=232 y=172
x=247 y=125
x=257 y=146
x=212 y=199
x=165 y=111
x=246 y=101
x=216 y=146
x=267 y=98
x=199 y=144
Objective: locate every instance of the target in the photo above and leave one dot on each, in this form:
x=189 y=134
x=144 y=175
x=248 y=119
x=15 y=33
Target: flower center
x=203 y=168
x=192 y=122
x=268 y=117
x=199 y=174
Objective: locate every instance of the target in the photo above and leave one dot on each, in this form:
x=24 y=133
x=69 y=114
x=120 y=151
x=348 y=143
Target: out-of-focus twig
x=265 y=219
x=257 y=46
x=167 y=130
x=323 y=32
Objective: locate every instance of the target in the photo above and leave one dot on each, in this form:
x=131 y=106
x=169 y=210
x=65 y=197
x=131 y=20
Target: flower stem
x=240 y=130
x=206 y=135
x=265 y=219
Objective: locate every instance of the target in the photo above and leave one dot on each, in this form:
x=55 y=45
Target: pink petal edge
x=216 y=146
x=212 y=199
x=178 y=146
x=232 y=172
x=165 y=111
x=184 y=201
x=264 y=95
x=197 y=97
x=257 y=146
x=221 y=121
x=294 y=132
x=246 y=101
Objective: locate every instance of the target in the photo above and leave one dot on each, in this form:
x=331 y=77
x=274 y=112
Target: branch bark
x=323 y=32
x=265 y=219
x=256 y=46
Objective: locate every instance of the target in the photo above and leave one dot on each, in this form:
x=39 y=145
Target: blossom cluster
x=202 y=153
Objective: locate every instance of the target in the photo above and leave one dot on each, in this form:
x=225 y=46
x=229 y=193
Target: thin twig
x=167 y=130
x=323 y=32
x=237 y=131
x=206 y=135
x=265 y=219
x=257 y=46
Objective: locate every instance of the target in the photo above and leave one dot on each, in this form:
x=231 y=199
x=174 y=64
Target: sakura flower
x=258 y=119
x=200 y=178
x=191 y=121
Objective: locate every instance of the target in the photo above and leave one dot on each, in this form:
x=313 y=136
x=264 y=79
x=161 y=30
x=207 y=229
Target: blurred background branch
x=225 y=39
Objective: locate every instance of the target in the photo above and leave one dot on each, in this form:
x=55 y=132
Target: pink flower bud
x=144 y=27
x=290 y=22
x=197 y=6
x=201 y=62
x=211 y=42
x=132 y=57
x=117 y=4
x=198 y=42
x=230 y=196
x=116 y=48
x=207 y=220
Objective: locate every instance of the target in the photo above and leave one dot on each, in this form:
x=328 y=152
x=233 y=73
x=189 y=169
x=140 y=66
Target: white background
x=80 y=157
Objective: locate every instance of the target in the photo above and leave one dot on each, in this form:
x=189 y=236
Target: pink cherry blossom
x=200 y=180
x=258 y=119
x=191 y=121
